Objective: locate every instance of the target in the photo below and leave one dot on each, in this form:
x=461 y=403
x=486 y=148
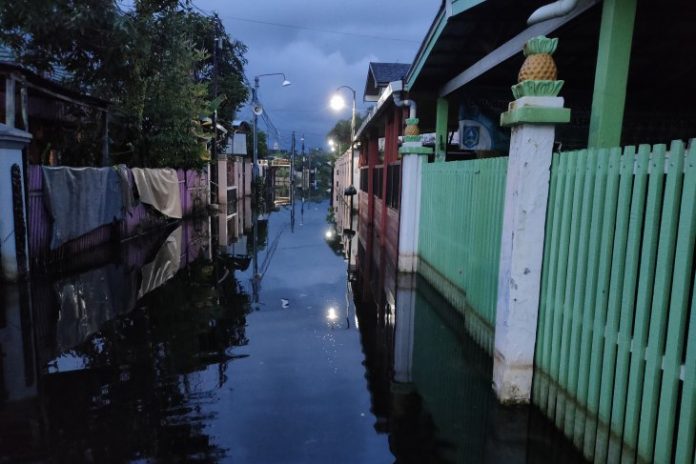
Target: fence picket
x=589 y=308
x=678 y=308
x=616 y=393
x=577 y=302
x=570 y=280
x=658 y=317
x=646 y=281
x=615 y=360
x=602 y=293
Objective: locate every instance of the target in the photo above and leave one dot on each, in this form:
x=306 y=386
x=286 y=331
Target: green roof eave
x=448 y=9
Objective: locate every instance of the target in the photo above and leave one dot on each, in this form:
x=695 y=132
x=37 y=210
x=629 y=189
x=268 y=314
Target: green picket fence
x=459 y=237
x=615 y=362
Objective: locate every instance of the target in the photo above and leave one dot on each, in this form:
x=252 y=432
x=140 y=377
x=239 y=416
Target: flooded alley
x=167 y=349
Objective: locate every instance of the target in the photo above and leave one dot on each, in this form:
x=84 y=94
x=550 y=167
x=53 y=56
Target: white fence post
x=413 y=153
x=532 y=118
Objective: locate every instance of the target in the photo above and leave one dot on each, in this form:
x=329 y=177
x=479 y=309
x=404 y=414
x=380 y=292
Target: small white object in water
x=284 y=303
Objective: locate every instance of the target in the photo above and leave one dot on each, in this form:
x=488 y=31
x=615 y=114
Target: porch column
x=14 y=249
x=413 y=155
x=441 y=128
x=532 y=118
x=611 y=75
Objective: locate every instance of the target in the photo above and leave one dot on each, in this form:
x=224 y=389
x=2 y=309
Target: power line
x=323 y=31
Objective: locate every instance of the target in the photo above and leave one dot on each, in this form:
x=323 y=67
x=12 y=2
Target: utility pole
x=292 y=162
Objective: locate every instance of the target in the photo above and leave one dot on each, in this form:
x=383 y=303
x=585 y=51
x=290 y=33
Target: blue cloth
x=80 y=200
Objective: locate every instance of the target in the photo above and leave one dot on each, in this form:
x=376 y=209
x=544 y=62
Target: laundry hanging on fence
x=80 y=200
x=159 y=188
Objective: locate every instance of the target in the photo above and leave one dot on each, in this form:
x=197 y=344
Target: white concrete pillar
x=533 y=122
x=12 y=141
x=413 y=157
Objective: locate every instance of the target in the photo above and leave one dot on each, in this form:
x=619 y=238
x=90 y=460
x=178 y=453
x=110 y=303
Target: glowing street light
x=337 y=102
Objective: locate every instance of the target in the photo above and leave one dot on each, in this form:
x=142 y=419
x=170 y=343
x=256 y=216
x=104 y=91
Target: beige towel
x=160 y=189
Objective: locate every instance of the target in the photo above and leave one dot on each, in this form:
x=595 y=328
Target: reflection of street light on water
x=331 y=314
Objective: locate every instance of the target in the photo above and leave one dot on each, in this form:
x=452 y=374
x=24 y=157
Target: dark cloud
x=331 y=46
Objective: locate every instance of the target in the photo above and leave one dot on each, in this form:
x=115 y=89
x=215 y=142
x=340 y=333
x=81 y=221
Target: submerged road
x=172 y=351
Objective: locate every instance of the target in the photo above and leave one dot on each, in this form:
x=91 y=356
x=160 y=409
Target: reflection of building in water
x=72 y=349
x=344 y=204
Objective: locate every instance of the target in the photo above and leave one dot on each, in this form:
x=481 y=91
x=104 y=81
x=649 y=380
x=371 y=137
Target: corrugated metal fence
x=616 y=345
x=459 y=238
x=193 y=188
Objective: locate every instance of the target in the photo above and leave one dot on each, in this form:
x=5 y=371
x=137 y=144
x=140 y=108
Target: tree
x=340 y=133
x=262 y=141
x=153 y=62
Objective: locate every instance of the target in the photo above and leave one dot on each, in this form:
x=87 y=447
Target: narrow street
x=199 y=369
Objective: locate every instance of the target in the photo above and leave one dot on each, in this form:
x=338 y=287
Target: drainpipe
x=552 y=10
x=410 y=103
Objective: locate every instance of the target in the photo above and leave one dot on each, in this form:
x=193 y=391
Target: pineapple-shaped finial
x=539 y=64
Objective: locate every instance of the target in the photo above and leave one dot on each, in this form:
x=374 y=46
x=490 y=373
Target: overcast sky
x=321 y=44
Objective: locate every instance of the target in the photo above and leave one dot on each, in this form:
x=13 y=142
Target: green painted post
x=611 y=74
x=441 y=131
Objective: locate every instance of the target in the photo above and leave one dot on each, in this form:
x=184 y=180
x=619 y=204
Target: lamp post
x=257 y=109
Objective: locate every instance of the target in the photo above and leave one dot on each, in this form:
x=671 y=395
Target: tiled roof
x=385 y=73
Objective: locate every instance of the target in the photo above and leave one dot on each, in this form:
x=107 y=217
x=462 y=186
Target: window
x=393 y=185
x=363 y=179
x=377 y=182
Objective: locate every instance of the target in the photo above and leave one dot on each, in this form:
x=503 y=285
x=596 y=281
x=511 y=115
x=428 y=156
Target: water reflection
x=431 y=386
x=117 y=362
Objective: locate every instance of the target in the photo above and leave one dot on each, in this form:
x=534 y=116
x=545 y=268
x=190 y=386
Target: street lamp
x=257 y=109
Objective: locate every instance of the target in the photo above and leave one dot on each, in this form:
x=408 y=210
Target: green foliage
x=262 y=142
x=154 y=63
x=340 y=133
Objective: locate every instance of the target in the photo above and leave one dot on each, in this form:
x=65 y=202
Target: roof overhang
x=50 y=87
x=384 y=101
x=470 y=37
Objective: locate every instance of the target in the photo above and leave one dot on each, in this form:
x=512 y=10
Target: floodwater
x=174 y=348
